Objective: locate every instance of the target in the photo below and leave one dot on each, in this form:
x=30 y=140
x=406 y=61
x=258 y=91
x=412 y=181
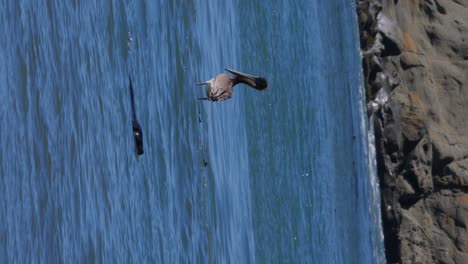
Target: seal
x=137 y=132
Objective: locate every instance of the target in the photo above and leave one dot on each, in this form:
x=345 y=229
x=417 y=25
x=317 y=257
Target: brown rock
x=417 y=53
x=449 y=213
x=416 y=236
x=410 y=59
x=409 y=44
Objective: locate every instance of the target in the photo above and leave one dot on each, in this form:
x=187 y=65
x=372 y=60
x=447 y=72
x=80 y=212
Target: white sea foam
x=367 y=127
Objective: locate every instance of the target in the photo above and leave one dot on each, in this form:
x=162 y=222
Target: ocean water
x=279 y=176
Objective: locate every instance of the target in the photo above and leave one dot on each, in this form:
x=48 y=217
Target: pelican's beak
x=256 y=82
x=242 y=74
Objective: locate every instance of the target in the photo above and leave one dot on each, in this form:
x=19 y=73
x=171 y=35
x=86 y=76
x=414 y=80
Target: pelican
x=220 y=87
x=137 y=133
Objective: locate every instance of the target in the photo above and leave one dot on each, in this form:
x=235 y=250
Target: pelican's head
x=253 y=81
x=260 y=83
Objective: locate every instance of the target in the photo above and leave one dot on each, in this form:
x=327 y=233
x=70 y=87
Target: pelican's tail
x=204 y=98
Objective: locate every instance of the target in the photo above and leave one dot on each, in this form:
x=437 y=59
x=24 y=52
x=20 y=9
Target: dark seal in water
x=137 y=133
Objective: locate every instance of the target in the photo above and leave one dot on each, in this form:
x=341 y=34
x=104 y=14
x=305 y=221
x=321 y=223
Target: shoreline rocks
x=415 y=66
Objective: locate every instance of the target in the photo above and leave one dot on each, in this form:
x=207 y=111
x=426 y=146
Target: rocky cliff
x=415 y=63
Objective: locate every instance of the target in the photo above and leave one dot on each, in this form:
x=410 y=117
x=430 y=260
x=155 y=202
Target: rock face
x=415 y=64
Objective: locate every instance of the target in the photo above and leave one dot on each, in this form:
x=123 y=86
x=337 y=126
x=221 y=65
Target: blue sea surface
x=279 y=176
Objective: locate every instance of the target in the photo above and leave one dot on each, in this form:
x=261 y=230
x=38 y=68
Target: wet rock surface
x=415 y=65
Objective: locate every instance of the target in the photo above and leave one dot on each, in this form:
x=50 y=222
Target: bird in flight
x=220 y=87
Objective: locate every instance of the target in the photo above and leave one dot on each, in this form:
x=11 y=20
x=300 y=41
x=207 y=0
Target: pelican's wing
x=221 y=95
x=209 y=82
